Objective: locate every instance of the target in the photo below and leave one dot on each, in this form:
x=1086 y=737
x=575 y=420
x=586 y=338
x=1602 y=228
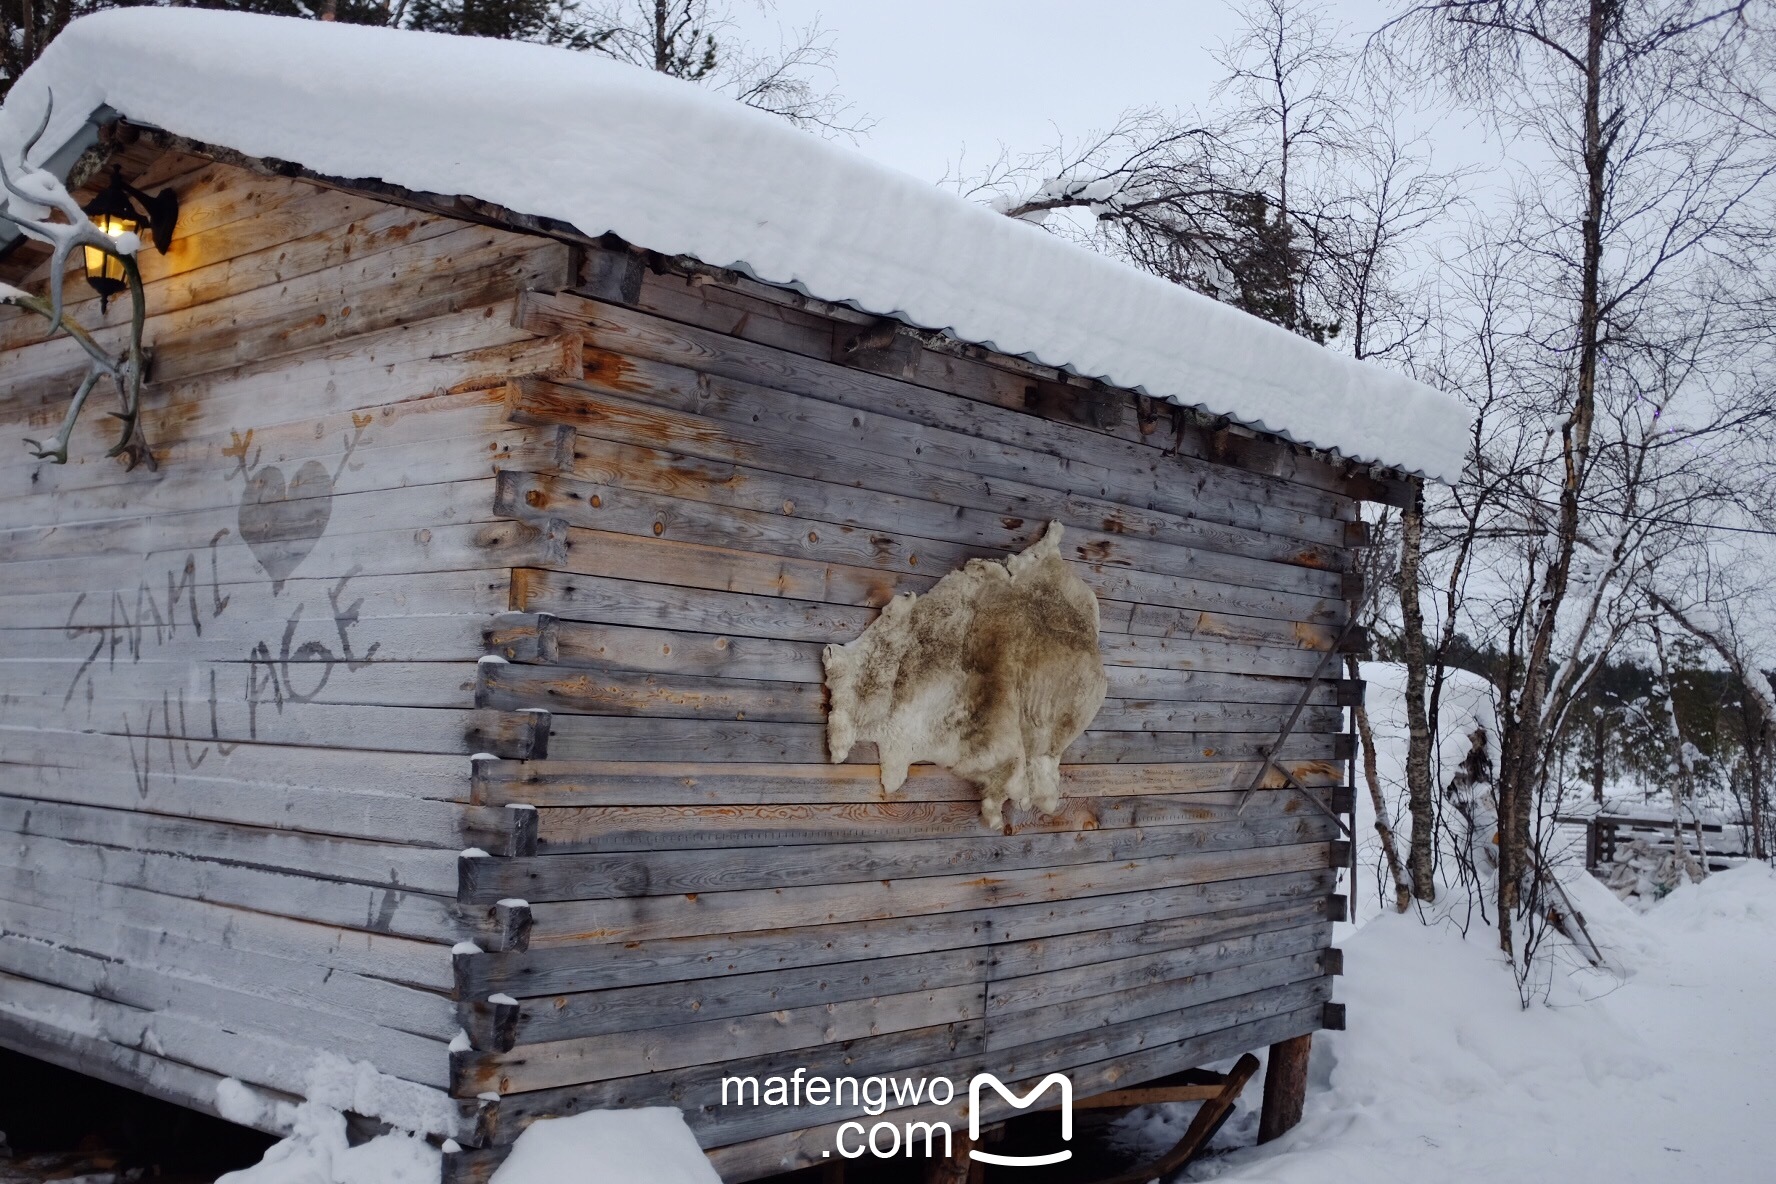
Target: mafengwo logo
x=890 y=1140
x=1058 y=1080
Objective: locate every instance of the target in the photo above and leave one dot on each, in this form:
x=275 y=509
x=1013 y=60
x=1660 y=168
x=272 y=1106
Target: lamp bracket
x=161 y=208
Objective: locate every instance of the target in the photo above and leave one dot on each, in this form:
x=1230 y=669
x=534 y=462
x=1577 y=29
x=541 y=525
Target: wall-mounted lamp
x=115 y=212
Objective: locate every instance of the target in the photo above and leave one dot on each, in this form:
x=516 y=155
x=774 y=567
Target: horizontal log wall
x=237 y=689
x=460 y=538
x=704 y=896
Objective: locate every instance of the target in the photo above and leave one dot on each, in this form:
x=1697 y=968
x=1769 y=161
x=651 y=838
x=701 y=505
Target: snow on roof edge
x=670 y=167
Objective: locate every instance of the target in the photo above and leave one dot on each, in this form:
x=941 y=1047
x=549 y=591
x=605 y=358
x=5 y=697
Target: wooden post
x=1285 y=1087
x=957 y=1167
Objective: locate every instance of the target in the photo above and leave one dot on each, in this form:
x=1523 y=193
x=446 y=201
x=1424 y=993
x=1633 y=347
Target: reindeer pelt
x=991 y=674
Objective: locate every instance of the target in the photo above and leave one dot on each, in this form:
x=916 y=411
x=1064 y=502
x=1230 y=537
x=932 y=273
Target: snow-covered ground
x=1663 y=1070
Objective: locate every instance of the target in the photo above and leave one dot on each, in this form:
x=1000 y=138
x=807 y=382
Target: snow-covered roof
x=665 y=165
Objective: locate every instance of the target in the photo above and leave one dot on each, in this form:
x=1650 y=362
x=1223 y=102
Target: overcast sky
x=944 y=76
x=941 y=76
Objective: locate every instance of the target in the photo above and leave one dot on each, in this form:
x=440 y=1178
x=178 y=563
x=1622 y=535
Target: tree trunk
x=1366 y=737
x=1419 y=798
x=1521 y=775
x=1756 y=762
x=1682 y=781
x=1599 y=746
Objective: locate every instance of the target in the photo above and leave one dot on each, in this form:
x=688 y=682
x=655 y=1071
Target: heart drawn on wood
x=282 y=521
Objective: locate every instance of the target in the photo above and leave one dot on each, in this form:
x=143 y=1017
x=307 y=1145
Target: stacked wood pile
x=463 y=537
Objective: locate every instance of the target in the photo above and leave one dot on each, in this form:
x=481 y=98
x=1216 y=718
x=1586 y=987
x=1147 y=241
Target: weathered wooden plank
x=460 y=351
x=1190 y=941
x=438 y=462
x=642 y=405
x=143 y=611
x=226 y=434
x=514 y=735
x=1076 y=952
x=269 y=772
x=589 y=737
x=356 y=906
x=857 y=1057
x=328 y=509
x=625 y=693
x=1212 y=686
x=1090 y=985
x=233 y=1051
x=667 y=546
x=56 y=684
x=687 y=782
x=348 y=812
x=641 y=917
x=132 y=1068
x=106 y=622
x=159 y=726
x=287 y=982
x=654 y=828
x=216 y=437
x=1096 y=1010
x=628 y=1010
x=600 y=691
x=737 y=306
x=394 y=865
x=465 y=268
x=623 y=606
x=470 y=546
x=299 y=236
x=574 y=967
x=1209 y=657
x=365 y=954
x=616 y=557
x=697 y=1091
x=676 y=651
x=1158 y=747
x=726 y=311
x=367 y=297
x=728 y=655
x=694 y=565
x=599 y=876
x=619 y=601
x=223 y=214
x=634 y=334
x=600 y=467
x=624 y=1054
x=848 y=452
x=1145 y=715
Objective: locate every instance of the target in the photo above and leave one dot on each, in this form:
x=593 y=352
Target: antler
x=35 y=189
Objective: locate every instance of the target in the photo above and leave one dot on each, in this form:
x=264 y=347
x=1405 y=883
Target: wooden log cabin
x=431 y=724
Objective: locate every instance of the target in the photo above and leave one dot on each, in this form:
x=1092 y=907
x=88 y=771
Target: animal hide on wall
x=991 y=674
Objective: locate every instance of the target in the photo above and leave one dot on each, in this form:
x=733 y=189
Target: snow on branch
x=34 y=196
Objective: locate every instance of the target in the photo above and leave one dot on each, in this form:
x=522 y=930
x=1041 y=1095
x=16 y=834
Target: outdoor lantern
x=120 y=209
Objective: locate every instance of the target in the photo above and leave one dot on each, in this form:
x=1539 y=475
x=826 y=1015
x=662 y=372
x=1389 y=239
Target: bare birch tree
x=1644 y=180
